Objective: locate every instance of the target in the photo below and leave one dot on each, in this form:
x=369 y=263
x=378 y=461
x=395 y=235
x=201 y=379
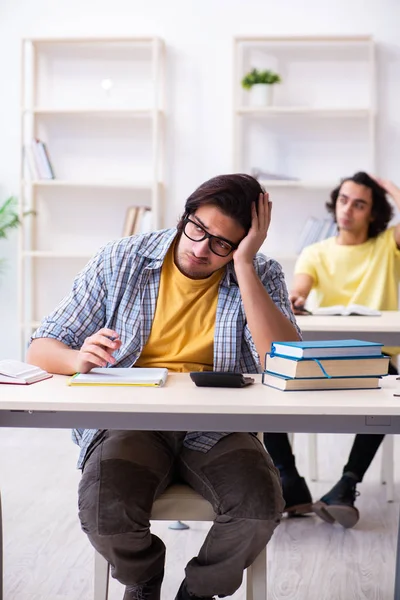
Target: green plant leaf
x=8 y=216
x=256 y=76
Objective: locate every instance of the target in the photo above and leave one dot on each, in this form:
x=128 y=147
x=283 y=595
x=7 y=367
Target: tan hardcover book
x=324 y=383
x=130 y=221
x=334 y=367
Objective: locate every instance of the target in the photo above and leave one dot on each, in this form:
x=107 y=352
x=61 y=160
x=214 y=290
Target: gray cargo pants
x=127 y=470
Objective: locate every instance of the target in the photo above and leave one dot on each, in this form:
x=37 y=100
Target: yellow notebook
x=150 y=377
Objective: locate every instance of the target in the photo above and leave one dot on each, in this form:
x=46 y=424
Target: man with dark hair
x=361 y=265
x=190 y=299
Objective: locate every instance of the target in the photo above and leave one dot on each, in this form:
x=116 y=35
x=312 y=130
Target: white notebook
x=155 y=377
x=21 y=373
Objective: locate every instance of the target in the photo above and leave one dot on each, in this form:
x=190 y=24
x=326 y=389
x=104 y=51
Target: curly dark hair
x=382 y=210
x=233 y=194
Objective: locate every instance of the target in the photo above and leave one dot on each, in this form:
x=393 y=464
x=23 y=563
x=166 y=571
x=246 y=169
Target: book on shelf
x=20 y=373
x=146 y=377
x=316 y=230
x=345 y=311
x=130 y=221
x=38 y=160
x=326 y=348
x=307 y=368
x=288 y=384
x=138 y=219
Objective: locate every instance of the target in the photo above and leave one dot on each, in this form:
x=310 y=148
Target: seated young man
x=194 y=298
x=361 y=265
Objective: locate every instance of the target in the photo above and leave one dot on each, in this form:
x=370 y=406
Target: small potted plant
x=259 y=84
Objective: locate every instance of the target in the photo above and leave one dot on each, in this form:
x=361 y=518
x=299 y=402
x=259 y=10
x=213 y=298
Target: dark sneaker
x=147 y=591
x=296 y=495
x=338 y=503
x=183 y=594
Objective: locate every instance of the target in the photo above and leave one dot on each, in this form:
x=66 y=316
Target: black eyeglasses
x=197 y=233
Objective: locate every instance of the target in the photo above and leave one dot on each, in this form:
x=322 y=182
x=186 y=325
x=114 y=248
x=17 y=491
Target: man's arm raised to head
x=301 y=288
x=394 y=192
x=265 y=320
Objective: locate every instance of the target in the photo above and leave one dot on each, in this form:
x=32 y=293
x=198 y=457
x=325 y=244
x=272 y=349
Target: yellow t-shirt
x=182 y=333
x=366 y=274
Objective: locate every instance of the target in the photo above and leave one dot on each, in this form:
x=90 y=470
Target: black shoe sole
x=346 y=516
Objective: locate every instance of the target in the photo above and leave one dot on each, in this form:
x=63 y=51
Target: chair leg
x=313 y=456
x=101 y=577
x=1 y=553
x=383 y=465
x=387 y=466
x=256 y=584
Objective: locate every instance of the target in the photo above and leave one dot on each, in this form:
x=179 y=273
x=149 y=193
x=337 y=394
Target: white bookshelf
x=319 y=127
x=99 y=183
x=303 y=110
x=99 y=106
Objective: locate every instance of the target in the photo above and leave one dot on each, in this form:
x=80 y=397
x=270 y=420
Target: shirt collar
x=158 y=245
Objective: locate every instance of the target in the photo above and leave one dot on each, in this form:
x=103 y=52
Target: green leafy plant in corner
x=8 y=216
x=9 y=219
x=256 y=76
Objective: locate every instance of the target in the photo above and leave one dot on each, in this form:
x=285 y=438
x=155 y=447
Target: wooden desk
x=182 y=406
x=385 y=328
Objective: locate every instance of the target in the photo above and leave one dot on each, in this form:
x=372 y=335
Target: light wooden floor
x=47 y=557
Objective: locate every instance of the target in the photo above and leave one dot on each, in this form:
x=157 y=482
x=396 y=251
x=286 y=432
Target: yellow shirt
x=182 y=334
x=366 y=274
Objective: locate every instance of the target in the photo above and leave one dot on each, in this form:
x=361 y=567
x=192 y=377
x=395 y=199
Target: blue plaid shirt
x=118 y=289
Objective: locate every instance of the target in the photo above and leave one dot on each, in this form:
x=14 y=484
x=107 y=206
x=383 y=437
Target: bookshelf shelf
x=44 y=254
x=97 y=106
x=91 y=40
x=306 y=132
x=285 y=258
x=305 y=111
x=283 y=183
x=29 y=326
x=54 y=183
x=97 y=111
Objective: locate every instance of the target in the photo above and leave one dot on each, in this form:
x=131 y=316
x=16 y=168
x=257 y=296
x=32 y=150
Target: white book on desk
x=148 y=377
x=346 y=311
x=20 y=373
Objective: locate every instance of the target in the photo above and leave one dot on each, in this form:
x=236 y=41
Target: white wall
x=198 y=36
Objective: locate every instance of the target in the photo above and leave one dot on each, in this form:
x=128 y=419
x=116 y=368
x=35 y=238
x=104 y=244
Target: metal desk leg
x=1 y=553
x=397 y=571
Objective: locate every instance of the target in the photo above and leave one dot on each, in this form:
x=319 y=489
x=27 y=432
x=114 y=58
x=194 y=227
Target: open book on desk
x=152 y=377
x=346 y=311
x=20 y=373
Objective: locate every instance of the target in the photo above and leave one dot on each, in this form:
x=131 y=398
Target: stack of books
x=138 y=219
x=325 y=365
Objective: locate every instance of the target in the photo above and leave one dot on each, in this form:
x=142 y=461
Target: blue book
x=325 y=349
